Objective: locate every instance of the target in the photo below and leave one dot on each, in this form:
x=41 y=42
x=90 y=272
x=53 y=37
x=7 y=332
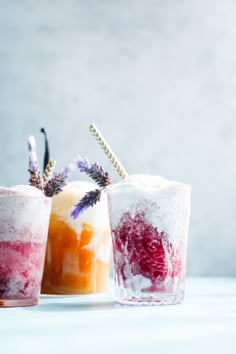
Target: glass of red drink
x=149 y=218
x=24 y=219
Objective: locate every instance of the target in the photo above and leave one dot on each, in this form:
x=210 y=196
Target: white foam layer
x=24 y=214
x=21 y=190
x=166 y=203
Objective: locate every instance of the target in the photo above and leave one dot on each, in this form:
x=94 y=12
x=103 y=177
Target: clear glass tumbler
x=78 y=251
x=24 y=224
x=149 y=218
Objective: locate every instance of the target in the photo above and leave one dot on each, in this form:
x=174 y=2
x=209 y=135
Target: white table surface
x=204 y=323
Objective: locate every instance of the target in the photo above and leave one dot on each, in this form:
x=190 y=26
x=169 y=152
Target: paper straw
x=49 y=170
x=108 y=151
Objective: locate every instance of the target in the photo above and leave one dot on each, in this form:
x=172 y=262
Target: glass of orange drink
x=78 y=251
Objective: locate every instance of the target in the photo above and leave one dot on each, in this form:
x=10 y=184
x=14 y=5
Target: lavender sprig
x=58 y=180
x=55 y=185
x=94 y=171
x=101 y=177
x=89 y=200
x=33 y=162
x=35 y=179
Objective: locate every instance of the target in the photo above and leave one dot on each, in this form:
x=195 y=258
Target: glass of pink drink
x=24 y=219
x=149 y=219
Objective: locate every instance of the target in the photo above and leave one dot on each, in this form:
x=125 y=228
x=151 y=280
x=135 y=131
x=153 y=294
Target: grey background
x=157 y=77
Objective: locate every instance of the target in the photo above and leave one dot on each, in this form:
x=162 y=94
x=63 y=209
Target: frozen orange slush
x=78 y=251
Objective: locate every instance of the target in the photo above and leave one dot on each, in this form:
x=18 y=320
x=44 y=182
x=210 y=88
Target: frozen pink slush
x=149 y=218
x=24 y=219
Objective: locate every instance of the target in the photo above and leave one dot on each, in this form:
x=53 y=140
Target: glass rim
x=25 y=196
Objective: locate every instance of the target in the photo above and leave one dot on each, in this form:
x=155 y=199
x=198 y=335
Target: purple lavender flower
x=58 y=180
x=89 y=200
x=33 y=162
x=94 y=171
x=68 y=169
x=35 y=179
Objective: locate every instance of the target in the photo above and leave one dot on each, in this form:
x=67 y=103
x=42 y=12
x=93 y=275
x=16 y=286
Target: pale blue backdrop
x=158 y=78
